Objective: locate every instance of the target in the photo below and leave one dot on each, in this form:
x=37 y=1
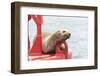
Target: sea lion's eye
x=64 y=31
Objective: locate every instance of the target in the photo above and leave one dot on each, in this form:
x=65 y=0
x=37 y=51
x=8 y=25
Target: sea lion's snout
x=67 y=35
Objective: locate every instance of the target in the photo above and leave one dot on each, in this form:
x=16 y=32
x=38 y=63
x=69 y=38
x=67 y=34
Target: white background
x=5 y=42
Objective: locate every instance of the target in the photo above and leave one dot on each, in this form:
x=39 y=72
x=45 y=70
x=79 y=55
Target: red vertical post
x=37 y=46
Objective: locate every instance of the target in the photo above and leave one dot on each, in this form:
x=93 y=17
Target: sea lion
x=50 y=40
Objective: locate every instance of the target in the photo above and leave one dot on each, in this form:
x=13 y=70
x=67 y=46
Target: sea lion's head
x=62 y=35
